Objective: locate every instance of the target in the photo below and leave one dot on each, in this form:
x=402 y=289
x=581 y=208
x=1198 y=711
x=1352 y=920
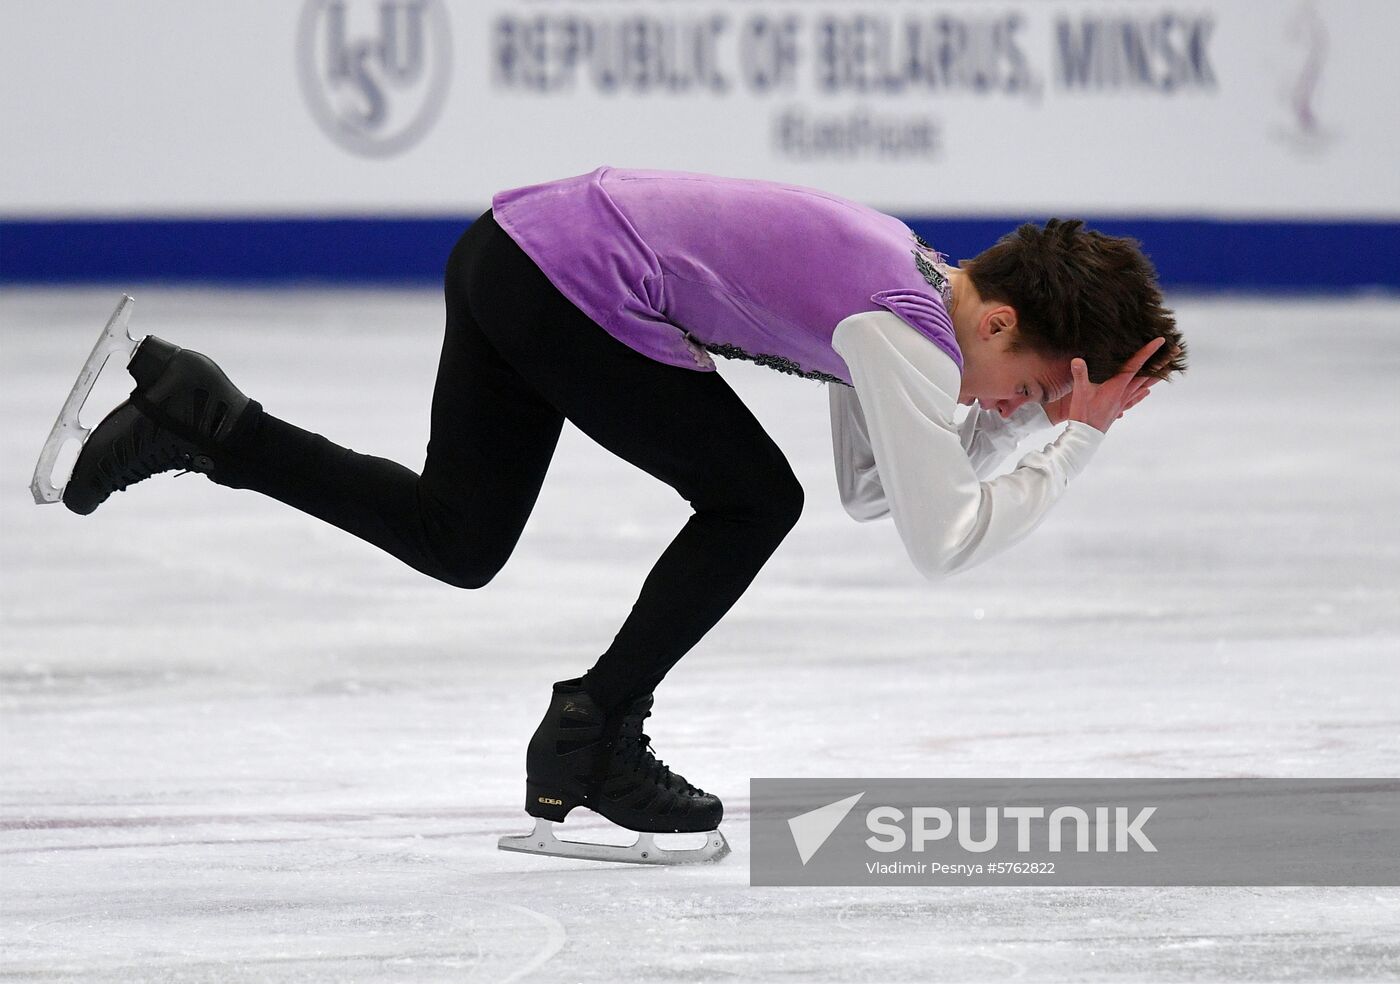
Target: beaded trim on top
x=932 y=265
x=777 y=362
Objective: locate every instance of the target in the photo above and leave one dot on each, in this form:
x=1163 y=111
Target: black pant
x=518 y=359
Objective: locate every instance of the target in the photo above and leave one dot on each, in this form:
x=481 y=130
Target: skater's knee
x=766 y=496
x=468 y=578
x=787 y=499
x=472 y=572
x=465 y=551
x=463 y=564
x=778 y=493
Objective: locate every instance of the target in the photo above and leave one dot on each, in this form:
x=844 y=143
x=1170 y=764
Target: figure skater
x=601 y=299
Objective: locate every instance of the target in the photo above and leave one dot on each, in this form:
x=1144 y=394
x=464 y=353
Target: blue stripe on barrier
x=1211 y=254
x=225 y=250
x=1191 y=253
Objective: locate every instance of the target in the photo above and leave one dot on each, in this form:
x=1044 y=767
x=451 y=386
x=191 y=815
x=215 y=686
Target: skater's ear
x=998 y=319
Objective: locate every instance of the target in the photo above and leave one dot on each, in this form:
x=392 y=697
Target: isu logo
x=374 y=72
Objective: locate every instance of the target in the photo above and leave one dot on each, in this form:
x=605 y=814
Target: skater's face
x=1002 y=378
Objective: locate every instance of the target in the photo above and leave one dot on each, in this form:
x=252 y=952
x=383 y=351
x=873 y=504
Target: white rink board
x=161 y=107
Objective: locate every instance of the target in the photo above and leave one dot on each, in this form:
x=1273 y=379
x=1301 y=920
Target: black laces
x=634 y=748
x=638 y=753
x=142 y=463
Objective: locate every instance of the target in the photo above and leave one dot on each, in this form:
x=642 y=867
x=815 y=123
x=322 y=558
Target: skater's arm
x=857 y=478
x=948 y=519
x=988 y=437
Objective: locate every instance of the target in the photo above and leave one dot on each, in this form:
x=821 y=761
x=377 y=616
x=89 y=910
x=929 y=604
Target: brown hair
x=1080 y=293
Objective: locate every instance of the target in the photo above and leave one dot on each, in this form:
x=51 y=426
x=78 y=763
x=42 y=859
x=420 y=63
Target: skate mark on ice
x=555 y=938
x=378 y=827
x=1018 y=969
x=947 y=742
x=216 y=841
x=196 y=820
x=1317 y=740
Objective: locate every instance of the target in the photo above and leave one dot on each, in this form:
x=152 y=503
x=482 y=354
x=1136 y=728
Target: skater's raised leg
x=491 y=442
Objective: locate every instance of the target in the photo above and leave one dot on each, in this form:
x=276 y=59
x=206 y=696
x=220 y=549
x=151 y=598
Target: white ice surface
x=240 y=745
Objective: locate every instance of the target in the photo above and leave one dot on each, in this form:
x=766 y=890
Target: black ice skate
x=581 y=757
x=182 y=409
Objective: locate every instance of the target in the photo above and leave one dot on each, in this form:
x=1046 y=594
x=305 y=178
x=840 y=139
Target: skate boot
x=180 y=413
x=638 y=791
x=580 y=756
x=568 y=750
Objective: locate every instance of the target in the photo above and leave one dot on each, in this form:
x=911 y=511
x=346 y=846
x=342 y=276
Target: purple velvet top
x=678 y=265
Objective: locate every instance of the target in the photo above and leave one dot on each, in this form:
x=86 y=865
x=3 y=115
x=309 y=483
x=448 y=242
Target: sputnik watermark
x=1111 y=828
x=1076 y=832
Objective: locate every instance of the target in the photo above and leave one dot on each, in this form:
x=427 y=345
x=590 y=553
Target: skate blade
x=541 y=840
x=114 y=338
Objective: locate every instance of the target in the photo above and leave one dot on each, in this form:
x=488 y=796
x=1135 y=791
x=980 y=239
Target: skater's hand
x=1058 y=410
x=1099 y=405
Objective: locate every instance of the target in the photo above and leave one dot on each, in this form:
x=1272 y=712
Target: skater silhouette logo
x=374 y=73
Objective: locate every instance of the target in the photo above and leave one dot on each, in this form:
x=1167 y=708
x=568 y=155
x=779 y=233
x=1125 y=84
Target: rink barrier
x=1190 y=253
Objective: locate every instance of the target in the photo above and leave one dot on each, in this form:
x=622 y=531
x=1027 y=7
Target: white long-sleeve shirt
x=899 y=451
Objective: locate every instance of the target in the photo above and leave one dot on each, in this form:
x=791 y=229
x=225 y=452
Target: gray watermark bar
x=1075 y=832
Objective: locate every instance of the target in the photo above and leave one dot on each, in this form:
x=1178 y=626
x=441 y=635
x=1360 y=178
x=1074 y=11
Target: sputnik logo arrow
x=810 y=830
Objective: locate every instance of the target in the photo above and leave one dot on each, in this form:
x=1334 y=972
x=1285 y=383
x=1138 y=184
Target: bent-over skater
x=601 y=299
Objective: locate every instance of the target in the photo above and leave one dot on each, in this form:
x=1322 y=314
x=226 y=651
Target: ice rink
x=242 y=746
